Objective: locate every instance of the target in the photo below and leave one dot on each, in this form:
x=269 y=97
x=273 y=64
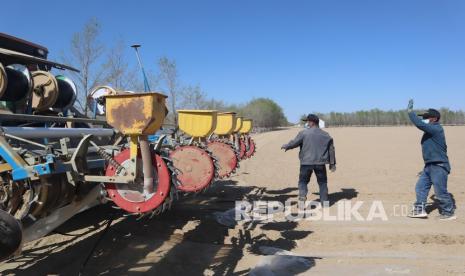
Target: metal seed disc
x=251 y=150
x=226 y=157
x=130 y=197
x=242 y=149
x=195 y=168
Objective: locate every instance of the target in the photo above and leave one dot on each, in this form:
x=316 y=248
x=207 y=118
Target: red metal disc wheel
x=195 y=167
x=225 y=156
x=251 y=150
x=242 y=149
x=131 y=197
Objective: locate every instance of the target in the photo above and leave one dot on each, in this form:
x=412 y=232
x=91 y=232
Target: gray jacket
x=316 y=147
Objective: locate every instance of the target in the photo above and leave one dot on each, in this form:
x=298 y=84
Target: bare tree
x=153 y=79
x=169 y=75
x=192 y=97
x=85 y=52
x=118 y=73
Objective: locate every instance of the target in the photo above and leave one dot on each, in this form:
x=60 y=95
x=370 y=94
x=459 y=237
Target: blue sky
x=306 y=55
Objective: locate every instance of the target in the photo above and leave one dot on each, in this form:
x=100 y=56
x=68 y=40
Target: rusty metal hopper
x=136 y=113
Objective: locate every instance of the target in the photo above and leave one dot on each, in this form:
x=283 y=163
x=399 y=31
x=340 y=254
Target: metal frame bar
x=42 y=118
x=55 y=132
x=16 y=162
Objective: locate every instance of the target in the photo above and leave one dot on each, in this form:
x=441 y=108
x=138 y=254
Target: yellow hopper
x=246 y=126
x=197 y=123
x=136 y=113
x=225 y=123
x=238 y=124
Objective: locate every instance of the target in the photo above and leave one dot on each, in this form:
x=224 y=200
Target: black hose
x=83 y=266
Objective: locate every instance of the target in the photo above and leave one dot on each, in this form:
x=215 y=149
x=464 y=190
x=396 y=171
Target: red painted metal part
x=195 y=167
x=251 y=150
x=242 y=149
x=127 y=196
x=225 y=156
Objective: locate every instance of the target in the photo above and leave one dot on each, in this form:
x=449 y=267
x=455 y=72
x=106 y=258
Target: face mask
x=426 y=121
x=306 y=125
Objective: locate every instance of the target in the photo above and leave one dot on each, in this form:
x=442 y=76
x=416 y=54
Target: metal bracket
x=64 y=146
x=108 y=179
x=78 y=160
x=159 y=143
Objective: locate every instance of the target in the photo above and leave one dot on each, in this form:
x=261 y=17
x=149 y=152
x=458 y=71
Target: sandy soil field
x=374 y=164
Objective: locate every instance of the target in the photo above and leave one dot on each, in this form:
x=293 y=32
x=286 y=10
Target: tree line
x=105 y=64
x=377 y=117
x=265 y=112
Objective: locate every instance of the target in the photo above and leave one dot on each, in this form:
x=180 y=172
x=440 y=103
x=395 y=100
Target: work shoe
x=447 y=217
x=417 y=213
x=318 y=206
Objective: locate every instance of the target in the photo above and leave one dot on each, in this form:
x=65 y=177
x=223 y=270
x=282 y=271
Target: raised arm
x=428 y=128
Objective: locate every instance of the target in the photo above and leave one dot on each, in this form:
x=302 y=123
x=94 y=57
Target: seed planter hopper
x=195 y=167
x=220 y=146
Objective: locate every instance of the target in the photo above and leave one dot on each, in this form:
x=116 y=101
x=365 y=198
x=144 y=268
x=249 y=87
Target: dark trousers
x=436 y=176
x=306 y=172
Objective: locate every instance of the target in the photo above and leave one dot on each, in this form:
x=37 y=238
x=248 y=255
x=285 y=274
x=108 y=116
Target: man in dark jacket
x=437 y=166
x=316 y=150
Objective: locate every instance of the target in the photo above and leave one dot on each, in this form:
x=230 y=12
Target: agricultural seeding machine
x=55 y=162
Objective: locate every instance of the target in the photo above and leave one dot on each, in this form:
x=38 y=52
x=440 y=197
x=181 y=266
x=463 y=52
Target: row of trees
x=104 y=64
x=265 y=112
x=377 y=117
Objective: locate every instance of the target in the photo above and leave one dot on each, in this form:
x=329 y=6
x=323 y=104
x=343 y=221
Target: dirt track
x=373 y=164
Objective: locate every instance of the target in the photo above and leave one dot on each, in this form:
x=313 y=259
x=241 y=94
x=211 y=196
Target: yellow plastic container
x=246 y=126
x=238 y=124
x=197 y=123
x=136 y=113
x=225 y=123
